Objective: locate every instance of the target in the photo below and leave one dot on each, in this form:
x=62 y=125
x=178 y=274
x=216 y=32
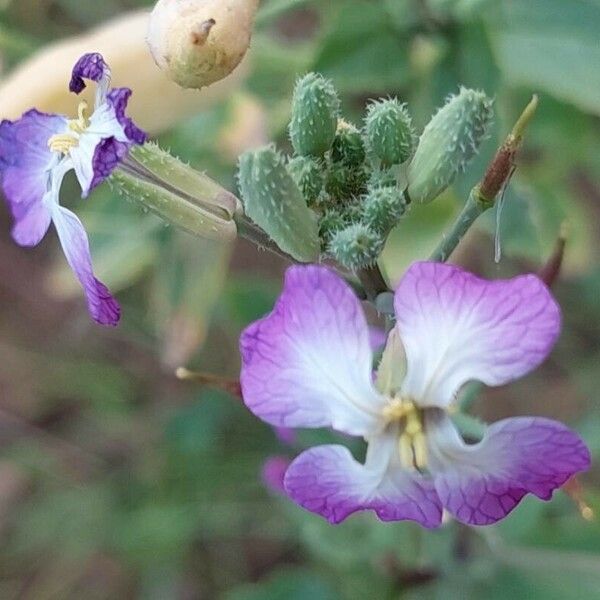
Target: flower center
x=411 y=443
x=64 y=142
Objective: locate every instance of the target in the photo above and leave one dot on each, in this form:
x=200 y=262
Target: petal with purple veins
x=90 y=66
x=102 y=306
x=456 y=327
x=308 y=363
x=29 y=229
x=25 y=164
x=481 y=483
x=106 y=141
x=327 y=480
x=118 y=98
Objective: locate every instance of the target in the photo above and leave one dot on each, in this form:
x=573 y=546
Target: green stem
x=471 y=210
x=254 y=234
x=373 y=282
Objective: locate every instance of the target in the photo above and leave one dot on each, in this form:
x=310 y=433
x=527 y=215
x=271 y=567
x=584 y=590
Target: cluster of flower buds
x=345 y=188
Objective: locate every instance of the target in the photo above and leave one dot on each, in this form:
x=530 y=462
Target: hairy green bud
x=389 y=132
x=275 y=203
x=315 y=109
x=356 y=246
x=382 y=208
x=448 y=143
x=345 y=182
x=331 y=222
x=383 y=178
x=308 y=174
x=348 y=146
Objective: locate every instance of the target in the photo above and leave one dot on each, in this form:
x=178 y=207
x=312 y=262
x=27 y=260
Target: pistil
x=64 y=142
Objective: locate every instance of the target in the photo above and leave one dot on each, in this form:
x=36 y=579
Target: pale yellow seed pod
x=156 y=104
x=198 y=42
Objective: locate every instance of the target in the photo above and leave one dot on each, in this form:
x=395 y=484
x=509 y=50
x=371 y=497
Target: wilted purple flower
x=37 y=150
x=308 y=364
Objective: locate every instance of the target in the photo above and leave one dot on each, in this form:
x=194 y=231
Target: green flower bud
x=383 y=178
x=389 y=132
x=382 y=208
x=356 y=246
x=348 y=146
x=180 y=195
x=308 y=174
x=315 y=109
x=331 y=222
x=448 y=143
x=275 y=203
x=345 y=182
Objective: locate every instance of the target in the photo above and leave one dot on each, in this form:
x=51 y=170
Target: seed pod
x=448 y=143
x=308 y=174
x=382 y=208
x=178 y=194
x=356 y=246
x=348 y=146
x=274 y=202
x=198 y=42
x=389 y=132
x=315 y=109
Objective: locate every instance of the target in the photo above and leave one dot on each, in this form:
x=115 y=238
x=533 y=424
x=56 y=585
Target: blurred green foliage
x=118 y=481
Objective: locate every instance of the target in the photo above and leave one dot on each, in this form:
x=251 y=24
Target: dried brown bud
x=551 y=269
x=502 y=165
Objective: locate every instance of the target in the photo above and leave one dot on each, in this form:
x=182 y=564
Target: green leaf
x=292 y=585
x=363 y=52
x=550 y=45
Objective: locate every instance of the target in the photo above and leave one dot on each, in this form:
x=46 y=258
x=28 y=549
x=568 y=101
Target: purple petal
x=328 y=481
x=481 y=483
x=25 y=163
x=107 y=156
x=456 y=327
x=90 y=66
x=102 y=306
x=308 y=363
x=29 y=229
x=106 y=142
x=273 y=472
x=118 y=98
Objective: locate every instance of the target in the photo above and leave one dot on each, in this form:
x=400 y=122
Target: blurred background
x=119 y=481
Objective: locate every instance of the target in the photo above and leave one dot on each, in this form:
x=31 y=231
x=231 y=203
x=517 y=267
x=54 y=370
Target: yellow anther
x=412 y=443
x=396 y=410
x=64 y=142
x=419 y=444
x=406 y=451
x=80 y=124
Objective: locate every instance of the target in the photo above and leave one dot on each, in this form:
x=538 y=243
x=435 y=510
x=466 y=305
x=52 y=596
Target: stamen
x=64 y=142
x=412 y=443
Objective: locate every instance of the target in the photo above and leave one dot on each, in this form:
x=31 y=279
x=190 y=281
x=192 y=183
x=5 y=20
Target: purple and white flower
x=309 y=364
x=36 y=152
